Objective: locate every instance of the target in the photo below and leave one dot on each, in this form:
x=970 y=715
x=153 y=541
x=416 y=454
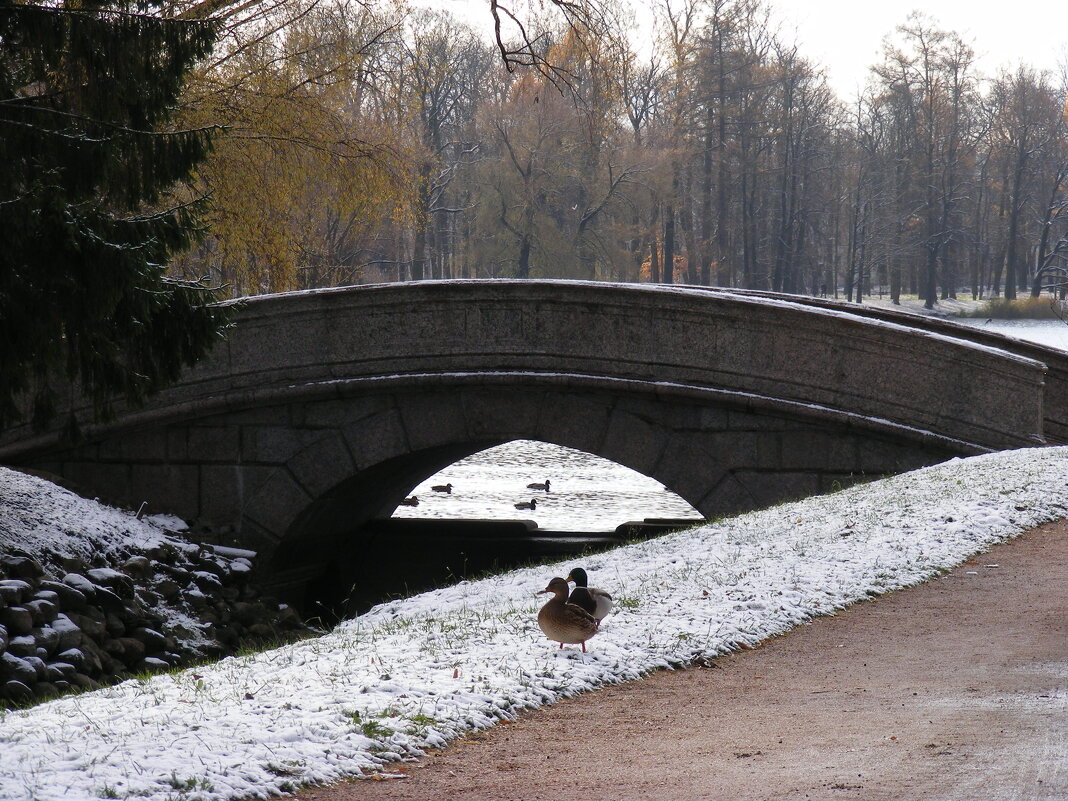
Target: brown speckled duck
x=565 y=622
x=597 y=602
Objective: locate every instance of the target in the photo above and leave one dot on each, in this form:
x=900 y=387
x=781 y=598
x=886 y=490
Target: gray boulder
x=17 y=669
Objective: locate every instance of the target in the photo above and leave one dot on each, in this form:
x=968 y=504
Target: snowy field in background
x=416 y=673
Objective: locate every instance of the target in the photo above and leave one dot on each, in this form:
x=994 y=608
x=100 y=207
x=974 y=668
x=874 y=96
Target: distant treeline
x=371 y=142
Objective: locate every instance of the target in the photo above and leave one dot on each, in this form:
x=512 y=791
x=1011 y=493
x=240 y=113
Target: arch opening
x=586 y=492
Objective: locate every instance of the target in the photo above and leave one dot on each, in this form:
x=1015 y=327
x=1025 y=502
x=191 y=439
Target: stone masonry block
x=277 y=503
x=174 y=488
x=432 y=419
x=502 y=414
x=833 y=482
x=336 y=413
x=753 y=449
x=376 y=438
x=225 y=490
x=221 y=495
x=690 y=468
x=255 y=537
x=323 y=465
x=135 y=446
x=274 y=444
x=728 y=497
x=882 y=457
x=769 y=489
x=633 y=440
x=739 y=420
x=213 y=443
x=575 y=421
x=177 y=444
x=714 y=419
x=813 y=450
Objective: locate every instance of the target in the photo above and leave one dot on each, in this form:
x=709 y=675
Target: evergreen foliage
x=86 y=159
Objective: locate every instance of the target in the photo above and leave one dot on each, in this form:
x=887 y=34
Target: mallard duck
x=531 y=504
x=597 y=602
x=565 y=622
x=446 y=488
x=413 y=501
x=537 y=486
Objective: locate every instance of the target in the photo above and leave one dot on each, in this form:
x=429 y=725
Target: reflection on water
x=586 y=493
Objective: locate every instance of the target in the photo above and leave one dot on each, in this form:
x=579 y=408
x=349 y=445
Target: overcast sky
x=846 y=37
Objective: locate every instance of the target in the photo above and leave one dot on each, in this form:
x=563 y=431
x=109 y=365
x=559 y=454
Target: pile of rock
x=82 y=625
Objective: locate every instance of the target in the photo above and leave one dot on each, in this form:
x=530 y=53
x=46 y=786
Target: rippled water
x=586 y=493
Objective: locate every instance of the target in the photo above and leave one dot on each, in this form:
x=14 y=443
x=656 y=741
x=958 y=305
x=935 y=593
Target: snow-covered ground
x=415 y=673
x=51 y=523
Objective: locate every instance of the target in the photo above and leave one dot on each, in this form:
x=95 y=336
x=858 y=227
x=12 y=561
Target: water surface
x=1051 y=333
x=586 y=492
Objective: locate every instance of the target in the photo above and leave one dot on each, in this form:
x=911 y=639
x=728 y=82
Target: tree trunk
x=706 y=200
x=930 y=297
x=523 y=267
x=418 y=251
x=1012 y=272
x=654 y=247
x=669 y=243
x=1047 y=224
x=654 y=261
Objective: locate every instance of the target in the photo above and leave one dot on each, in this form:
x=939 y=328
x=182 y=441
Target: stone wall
x=99 y=623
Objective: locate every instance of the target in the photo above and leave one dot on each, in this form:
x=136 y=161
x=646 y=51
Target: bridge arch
x=323 y=409
x=718 y=453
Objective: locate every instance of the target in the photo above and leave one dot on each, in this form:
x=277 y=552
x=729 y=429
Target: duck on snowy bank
x=565 y=622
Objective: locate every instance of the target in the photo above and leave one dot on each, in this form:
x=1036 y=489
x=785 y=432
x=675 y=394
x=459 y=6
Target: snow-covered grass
x=415 y=673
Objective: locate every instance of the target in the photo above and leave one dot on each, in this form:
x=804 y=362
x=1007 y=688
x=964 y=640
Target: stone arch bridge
x=323 y=409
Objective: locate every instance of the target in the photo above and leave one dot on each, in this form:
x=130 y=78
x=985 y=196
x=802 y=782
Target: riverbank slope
x=954 y=689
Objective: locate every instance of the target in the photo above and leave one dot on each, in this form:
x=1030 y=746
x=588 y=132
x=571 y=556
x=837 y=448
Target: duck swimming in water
x=565 y=622
x=537 y=486
x=597 y=602
x=446 y=488
x=413 y=501
x=531 y=504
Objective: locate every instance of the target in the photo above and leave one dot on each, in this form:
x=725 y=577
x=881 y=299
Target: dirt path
x=957 y=689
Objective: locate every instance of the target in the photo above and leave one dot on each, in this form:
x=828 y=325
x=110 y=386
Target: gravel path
x=956 y=689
